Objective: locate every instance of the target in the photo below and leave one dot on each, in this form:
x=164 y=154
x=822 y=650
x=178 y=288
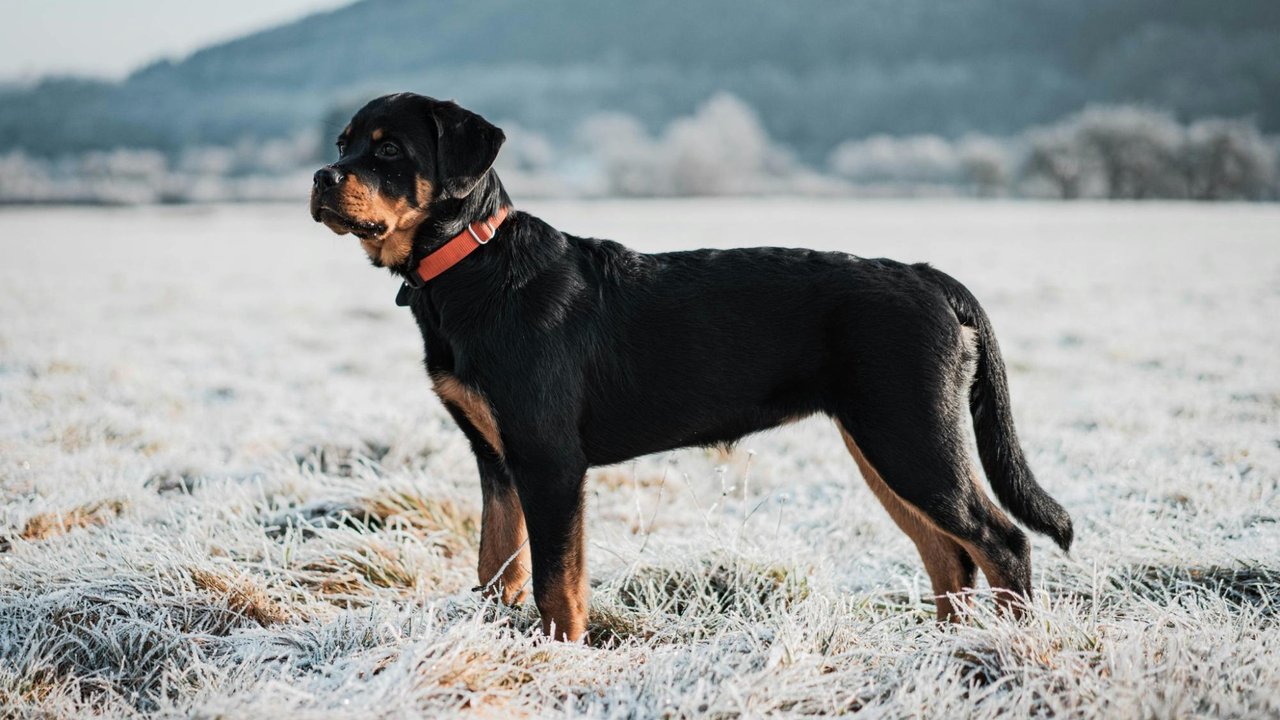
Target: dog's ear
x=466 y=146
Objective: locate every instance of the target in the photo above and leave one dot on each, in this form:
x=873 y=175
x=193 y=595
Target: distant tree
x=624 y=151
x=984 y=162
x=1058 y=157
x=1124 y=152
x=722 y=149
x=123 y=163
x=914 y=160
x=1228 y=160
x=1136 y=153
x=527 y=163
x=1139 y=150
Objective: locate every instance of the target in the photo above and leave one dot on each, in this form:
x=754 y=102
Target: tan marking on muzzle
x=400 y=216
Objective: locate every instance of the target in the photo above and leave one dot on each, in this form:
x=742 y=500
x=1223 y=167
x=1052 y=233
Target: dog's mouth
x=342 y=223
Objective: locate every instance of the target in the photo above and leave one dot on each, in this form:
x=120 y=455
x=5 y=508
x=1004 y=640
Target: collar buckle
x=453 y=251
x=492 y=231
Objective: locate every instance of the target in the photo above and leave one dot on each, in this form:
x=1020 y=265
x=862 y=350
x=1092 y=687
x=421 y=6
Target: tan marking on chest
x=473 y=405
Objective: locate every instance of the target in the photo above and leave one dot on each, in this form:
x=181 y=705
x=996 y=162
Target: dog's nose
x=327 y=177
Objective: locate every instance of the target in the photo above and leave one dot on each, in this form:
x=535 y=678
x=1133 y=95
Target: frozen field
x=229 y=492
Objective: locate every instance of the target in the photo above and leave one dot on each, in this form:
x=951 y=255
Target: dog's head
x=399 y=160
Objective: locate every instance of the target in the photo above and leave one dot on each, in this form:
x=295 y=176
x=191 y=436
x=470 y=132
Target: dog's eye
x=388 y=150
x=342 y=148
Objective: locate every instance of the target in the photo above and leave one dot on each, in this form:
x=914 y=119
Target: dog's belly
x=624 y=441
x=701 y=405
x=627 y=437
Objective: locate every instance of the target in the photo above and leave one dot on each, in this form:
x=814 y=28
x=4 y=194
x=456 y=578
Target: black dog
x=556 y=353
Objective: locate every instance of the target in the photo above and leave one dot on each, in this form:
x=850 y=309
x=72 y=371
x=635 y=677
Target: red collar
x=461 y=245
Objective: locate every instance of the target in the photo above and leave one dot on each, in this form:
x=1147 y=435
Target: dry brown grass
x=452 y=527
x=52 y=524
x=30 y=689
x=351 y=573
x=243 y=595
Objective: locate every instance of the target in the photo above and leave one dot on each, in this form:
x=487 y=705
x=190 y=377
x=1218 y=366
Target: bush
x=984 y=162
x=1138 y=149
x=1057 y=158
x=721 y=149
x=922 y=159
x=1135 y=153
x=1229 y=160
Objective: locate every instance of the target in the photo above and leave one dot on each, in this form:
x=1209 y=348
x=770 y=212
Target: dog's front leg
x=504 y=542
x=551 y=494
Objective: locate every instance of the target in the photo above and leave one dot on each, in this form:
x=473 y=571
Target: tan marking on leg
x=942 y=555
x=504 y=548
x=564 y=598
x=472 y=404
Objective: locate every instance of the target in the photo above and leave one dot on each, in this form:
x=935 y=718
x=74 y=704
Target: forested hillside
x=817 y=72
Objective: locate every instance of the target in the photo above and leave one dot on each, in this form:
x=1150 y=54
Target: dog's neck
x=510 y=260
x=448 y=218
x=452 y=216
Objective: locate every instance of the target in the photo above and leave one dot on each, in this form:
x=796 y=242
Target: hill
x=818 y=72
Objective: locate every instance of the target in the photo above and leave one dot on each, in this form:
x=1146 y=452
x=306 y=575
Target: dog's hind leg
x=951 y=569
x=904 y=423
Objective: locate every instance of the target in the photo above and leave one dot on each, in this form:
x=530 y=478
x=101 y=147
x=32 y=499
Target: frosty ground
x=228 y=490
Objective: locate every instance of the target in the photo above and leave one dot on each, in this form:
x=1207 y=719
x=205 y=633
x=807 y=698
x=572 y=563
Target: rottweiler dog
x=556 y=353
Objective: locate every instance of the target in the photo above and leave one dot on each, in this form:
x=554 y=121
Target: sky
x=109 y=38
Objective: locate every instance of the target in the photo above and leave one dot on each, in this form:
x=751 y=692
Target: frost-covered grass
x=228 y=492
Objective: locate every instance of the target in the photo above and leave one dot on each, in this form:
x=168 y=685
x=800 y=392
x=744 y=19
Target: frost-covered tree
x=624 y=151
x=1139 y=150
x=984 y=162
x=919 y=160
x=527 y=163
x=721 y=150
x=1057 y=157
x=1134 y=153
x=1228 y=160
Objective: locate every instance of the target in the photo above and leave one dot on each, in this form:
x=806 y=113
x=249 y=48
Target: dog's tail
x=1002 y=458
